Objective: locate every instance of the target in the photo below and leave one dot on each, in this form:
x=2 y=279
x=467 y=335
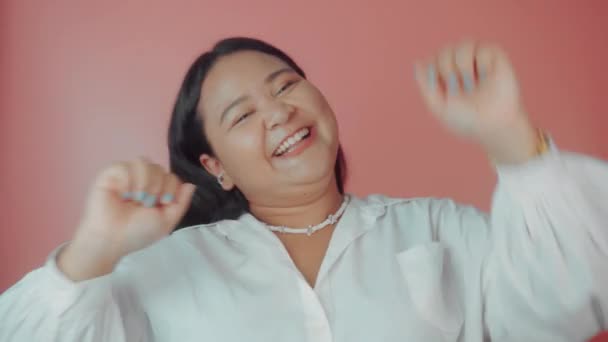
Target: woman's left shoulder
x=397 y=212
x=390 y=203
x=434 y=212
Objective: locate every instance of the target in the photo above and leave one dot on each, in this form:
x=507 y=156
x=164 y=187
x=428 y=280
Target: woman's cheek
x=250 y=142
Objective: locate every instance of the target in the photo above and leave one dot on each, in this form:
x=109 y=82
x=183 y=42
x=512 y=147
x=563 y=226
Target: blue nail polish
x=126 y=195
x=482 y=74
x=452 y=84
x=432 y=76
x=149 y=201
x=140 y=196
x=467 y=81
x=167 y=198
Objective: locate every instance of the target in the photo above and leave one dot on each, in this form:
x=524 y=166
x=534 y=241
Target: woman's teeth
x=290 y=143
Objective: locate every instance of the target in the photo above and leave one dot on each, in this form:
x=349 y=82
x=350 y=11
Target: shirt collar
x=359 y=217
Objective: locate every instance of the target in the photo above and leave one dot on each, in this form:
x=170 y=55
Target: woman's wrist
x=84 y=259
x=516 y=144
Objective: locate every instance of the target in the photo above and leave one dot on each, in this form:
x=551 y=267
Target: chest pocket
x=429 y=278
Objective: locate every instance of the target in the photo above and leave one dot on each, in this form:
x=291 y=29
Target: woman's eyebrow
x=273 y=75
x=232 y=105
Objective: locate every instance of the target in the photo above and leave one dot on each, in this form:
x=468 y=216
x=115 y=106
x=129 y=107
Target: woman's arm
x=47 y=306
x=536 y=268
x=548 y=265
x=91 y=299
x=543 y=252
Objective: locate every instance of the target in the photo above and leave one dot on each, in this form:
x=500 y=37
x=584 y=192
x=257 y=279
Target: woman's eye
x=242 y=117
x=285 y=87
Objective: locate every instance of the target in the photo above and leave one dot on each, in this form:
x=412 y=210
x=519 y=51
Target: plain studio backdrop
x=87 y=83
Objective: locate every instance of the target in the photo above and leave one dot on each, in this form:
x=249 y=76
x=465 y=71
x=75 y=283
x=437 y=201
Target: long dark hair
x=187 y=140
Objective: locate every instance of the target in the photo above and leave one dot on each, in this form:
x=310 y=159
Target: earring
x=220 y=178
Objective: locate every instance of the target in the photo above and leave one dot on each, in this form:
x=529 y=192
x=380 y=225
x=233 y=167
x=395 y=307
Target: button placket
x=317 y=324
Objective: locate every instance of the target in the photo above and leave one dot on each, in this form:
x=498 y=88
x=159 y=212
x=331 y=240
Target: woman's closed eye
x=243 y=117
x=286 y=86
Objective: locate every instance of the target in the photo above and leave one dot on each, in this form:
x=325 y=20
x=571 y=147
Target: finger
x=426 y=78
x=117 y=179
x=154 y=185
x=123 y=172
x=170 y=185
x=447 y=72
x=484 y=61
x=142 y=176
x=176 y=210
x=465 y=65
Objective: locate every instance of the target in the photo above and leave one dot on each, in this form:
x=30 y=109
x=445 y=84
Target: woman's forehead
x=233 y=75
x=241 y=68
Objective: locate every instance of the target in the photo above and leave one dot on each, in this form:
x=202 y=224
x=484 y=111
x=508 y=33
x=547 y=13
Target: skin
x=293 y=191
x=471 y=88
x=487 y=110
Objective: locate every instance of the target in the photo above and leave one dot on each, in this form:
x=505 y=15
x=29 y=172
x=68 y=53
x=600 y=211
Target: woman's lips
x=301 y=145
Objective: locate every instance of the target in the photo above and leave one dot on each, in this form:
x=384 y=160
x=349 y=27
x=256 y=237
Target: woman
x=286 y=255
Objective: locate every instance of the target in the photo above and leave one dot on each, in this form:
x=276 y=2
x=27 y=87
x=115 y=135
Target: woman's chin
x=310 y=173
x=306 y=168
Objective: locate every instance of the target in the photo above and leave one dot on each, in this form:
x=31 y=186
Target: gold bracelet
x=542 y=144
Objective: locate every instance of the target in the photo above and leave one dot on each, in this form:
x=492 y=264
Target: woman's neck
x=301 y=213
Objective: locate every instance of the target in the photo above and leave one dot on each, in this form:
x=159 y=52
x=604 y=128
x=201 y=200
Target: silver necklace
x=331 y=219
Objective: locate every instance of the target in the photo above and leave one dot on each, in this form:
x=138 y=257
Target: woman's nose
x=278 y=114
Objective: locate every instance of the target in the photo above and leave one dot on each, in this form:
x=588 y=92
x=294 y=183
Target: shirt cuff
x=87 y=294
x=534 y=175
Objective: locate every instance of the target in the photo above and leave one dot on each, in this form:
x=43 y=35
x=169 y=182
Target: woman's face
x=274 y=134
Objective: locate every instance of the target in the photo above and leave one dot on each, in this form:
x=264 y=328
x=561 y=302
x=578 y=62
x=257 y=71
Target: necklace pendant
x=331 y=219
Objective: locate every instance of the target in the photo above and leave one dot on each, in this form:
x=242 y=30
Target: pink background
x=83 y=84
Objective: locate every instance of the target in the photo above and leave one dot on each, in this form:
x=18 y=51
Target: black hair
x=187 y=140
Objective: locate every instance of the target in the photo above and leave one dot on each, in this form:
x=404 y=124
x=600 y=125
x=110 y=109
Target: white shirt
x=395 y=270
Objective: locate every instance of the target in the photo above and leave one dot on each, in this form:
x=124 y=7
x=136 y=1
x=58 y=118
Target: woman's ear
x=215 y=167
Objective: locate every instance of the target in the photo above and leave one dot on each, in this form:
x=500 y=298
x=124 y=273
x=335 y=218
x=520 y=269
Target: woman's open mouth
x=295 y=144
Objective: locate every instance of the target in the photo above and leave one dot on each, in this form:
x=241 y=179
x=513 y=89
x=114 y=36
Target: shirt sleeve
x=47 y=306
x=542 y=251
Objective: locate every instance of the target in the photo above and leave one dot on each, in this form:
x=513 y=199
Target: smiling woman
x=275 y=250
x=208 y=125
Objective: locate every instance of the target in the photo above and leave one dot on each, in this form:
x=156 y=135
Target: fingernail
x=482 y=74
x=149 y=201
x=140 y=196
x=126 y=195
x=452 y=84
x=467 y=80
x=167 y=198
x=432 y=76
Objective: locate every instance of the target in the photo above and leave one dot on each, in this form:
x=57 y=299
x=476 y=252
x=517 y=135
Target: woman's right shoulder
x=174 y=254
